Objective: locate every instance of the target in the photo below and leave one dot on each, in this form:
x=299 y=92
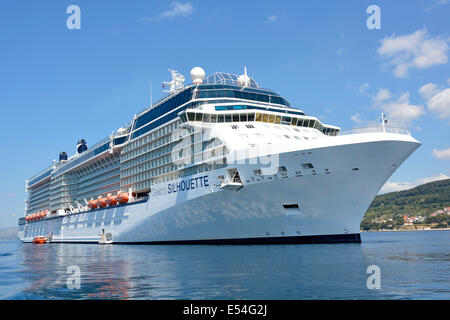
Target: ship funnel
x=62 y=156
x=81 y=146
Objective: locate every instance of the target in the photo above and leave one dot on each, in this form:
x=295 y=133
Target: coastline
x=408 y=230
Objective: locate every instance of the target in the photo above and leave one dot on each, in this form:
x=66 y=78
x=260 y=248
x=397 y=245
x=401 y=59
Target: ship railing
x=375 y=129
x=40 y=173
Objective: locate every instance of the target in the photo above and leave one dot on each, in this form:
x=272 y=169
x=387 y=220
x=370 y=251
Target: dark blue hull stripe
x=332 y=238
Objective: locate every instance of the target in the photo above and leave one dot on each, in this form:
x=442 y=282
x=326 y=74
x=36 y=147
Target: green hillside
x=419 y=201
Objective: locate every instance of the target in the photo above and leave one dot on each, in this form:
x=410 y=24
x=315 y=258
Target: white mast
x=383 y=121
x=151 y=94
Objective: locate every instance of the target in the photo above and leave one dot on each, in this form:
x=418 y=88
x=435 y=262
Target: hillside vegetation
x=419 y=201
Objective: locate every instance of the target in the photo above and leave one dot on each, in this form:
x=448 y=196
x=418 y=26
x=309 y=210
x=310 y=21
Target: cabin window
x=277 y=119
x=198 y=116
x=206 y=117
x=221 y=118
x=258 y=117
x=228 y=118
x=251 y=117
x=307 y=165
x=236 y=117
x=243 y=117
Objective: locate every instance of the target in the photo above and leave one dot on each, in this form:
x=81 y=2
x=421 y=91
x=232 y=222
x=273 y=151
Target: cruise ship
x=218 y=161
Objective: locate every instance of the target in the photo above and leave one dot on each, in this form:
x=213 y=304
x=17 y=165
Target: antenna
x=151 y=94
x=383 y=122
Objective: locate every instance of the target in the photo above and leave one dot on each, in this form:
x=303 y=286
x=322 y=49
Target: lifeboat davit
x=122 y=198
x=111 y=200
x=92 y=204
x=101 y=202
x=39 y=240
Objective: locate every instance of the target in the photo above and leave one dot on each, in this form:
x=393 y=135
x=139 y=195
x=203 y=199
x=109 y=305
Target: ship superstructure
x=219 y=160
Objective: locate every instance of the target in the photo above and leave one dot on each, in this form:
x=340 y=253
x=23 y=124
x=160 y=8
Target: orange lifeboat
x=111 y=200
x=39 y=240
x=92 y=204
x=122 y=198
x=101 y=202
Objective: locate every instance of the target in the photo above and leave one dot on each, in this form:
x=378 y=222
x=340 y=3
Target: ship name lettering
x=189 y=184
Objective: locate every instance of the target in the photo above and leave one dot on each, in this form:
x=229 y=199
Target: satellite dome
x=197 y=75
x=243 y=80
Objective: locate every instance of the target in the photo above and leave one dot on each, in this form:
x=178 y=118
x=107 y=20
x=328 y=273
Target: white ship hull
x=331 y=203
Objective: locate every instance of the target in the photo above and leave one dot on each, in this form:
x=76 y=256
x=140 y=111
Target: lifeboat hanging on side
x=92 y=204
x=111 y=200
x=101 y=202
x=122 y=198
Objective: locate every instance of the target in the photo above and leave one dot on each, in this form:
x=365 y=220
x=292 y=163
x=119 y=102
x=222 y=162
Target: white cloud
x=438 y=100
x=383 y=94
x=340 y=52
x=429 y=90
x=400 y=186
x=272 y=18
x=400 y=112
x=356 y=118
x=440 y=103
x=363 y=88
x=415 y=50
x=7 y=195
x=442 y=154
x=178 y=9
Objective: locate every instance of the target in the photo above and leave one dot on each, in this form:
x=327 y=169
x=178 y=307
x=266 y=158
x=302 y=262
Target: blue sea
x=412 y=265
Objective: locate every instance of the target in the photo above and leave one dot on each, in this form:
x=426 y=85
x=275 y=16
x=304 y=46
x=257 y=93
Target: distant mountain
x=8 y=233
x=421 y=200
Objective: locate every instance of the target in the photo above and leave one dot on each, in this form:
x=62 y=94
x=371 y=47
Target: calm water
x=414 y=265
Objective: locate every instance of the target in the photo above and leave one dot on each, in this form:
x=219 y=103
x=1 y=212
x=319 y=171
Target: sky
x=60 y=84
